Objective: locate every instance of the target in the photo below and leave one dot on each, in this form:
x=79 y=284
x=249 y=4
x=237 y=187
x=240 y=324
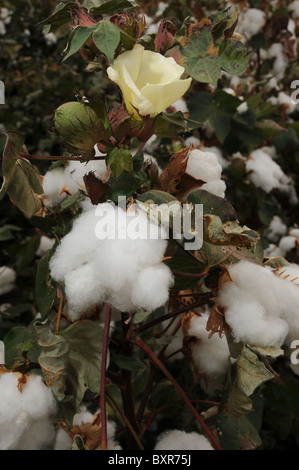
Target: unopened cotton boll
x=205 y=166
x=181 y=440
x=25 y=413
x=7 y=279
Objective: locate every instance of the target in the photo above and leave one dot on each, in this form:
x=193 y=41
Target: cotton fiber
x=181 y=440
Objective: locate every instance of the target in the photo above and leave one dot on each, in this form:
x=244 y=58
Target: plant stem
x=128 y=424
x=103 y=378
x=127 y=393
x=55 y=157
x=138 y=342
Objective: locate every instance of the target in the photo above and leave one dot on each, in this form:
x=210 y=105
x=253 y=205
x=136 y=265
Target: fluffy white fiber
x=7 y=279
x=250 y=22
x=294 y=9
x=205 y=166
x=64 y=441
x=181 y=440
x=210 y=356
x=57 y=183
x=109 y=257
x=267 y=174
x=276 y=229
x=260 y=306
x=25 y=415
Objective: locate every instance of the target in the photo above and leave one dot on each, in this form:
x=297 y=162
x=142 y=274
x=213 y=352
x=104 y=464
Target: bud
x=80 y=128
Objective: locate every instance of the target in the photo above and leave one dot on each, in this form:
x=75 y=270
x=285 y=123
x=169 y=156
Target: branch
x=187 y=401
x=55 y=157
x=103 y=378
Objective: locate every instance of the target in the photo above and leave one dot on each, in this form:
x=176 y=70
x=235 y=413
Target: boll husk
x=80 y=127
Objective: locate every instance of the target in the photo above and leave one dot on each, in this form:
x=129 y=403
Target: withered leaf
x=95 y=188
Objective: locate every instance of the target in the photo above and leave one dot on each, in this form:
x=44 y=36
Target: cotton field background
x=149 y=272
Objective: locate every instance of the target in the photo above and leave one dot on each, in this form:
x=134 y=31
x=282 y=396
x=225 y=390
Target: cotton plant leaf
x=251 y=373
x=21 y=180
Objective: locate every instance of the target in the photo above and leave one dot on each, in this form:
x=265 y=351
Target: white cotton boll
x=281 y=61
x=285 y=99
x=249 y=320
x=7 y=279
x=273 y=251
x=62 y=441
x=294 y=9
x=217 y=187
x=208 y=129
x=272 y=84
x=75 y=171
x=250 y=22
x=180 y=105
x=217 y=151
x=259 y=305
x=242 y=108
x=181 y=440
x=294 y=232
x=79 y=245
x=83 y=291
x=286 y=244
x=2 y=28
x=102 y=257
x=37 y=399
x=203 y=165
x=38 y=436
x=25 y=413
x=290 y=273
x=192 y=141
x=276 y=229
x=53 y=182
x=211 y=355
x=270 y=150
x=155 y=279
x=45 y=245
x=265 y=173
x=50 y=39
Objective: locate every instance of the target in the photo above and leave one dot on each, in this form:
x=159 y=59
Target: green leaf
x=269 y=128
x=60 y=16
x=53 y=359
x=106 y=38
x=125 y=185
x=251 y=373
x=233 y=56
x=99 y=7
x=45 y=286
x=119 y=160
x=6 y=232
x=84 y=362
x=237 y=434
x=19 y=342
x=72 y=200
x=20 y=179
x=127 y=363
x=79 y=36
x=212 y=204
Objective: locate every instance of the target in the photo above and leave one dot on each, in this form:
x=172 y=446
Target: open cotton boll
x=108 y=256
x=250 y=22
x=7 y=279
x=276 y=229
x=217 y=151
x=53 y=182
x=281 y=61
x=294 y=9
x=158 y=279
x=267 y=174
x=284 y=99
x=210 y=356
x=205 y=166
x=25 y=413
x=75 y=171
x=45 y=245
x=259 y=305
x=181 y=440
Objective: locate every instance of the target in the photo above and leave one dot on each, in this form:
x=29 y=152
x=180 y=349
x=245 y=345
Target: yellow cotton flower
x=149 y=81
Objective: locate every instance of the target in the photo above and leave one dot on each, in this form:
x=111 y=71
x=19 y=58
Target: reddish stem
x=103 y=378
x=187 y=401
x=193 y=275
x=55 y=157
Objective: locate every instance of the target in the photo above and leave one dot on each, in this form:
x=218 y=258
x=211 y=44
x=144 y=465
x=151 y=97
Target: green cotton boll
x=79 y=126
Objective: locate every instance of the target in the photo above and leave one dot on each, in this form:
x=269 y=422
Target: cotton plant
x=130 y=276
